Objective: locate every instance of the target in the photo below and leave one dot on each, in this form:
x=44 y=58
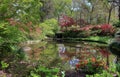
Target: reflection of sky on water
x=73 y=62
x=62 y=54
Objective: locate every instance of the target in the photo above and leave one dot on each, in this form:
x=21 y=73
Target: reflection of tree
x=114 y=46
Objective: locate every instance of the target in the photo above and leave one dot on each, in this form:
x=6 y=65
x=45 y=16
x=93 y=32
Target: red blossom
x=77 y=65
x=66 y=21
x=106 y=27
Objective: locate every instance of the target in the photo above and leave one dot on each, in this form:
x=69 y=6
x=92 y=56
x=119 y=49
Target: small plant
x=42 y=71
x=118 y=67
x=4 y=65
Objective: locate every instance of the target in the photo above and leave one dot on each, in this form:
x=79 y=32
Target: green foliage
x=109 y=72
x=49 y=27
x=10 y=33
x=53 y=23
x=116 y=24
x=102 y=39
x=10 y=37
x=24 y=10
x=21 y=12
x=118 y=67
x=42 y=71
x=29 y=10
x=4 y=65
x=62 y=6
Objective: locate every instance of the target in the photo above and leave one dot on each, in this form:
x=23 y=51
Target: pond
x=67 y=55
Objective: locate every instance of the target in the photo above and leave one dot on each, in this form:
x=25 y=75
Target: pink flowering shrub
x=106 y=29
x=66 y=21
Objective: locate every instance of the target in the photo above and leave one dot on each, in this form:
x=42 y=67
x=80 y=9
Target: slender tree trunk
x=91 y=14
x=119 y=11
x=109 y=15
x=80 y=18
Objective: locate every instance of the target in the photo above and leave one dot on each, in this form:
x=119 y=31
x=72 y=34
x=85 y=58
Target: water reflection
x=52 y=53
x=73 y=54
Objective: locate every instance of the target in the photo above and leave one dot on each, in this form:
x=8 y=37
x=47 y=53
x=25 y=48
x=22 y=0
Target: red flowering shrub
x=66 y=21
x=68 y=25
x=106 y=27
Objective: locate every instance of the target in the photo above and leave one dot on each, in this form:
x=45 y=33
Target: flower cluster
x=91 y=66
x=103 y=29
x=66 y=21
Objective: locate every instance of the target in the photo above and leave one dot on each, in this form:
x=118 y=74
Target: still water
x=65 y=55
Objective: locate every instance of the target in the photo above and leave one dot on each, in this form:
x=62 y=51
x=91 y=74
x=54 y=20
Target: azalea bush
x=89 y=30
x=66 y=21
x=102 y=30
x=107 y=29
x=91 y=66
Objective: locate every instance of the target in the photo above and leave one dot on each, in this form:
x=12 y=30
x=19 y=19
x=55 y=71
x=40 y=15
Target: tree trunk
x=109 y=15
x=119 y=11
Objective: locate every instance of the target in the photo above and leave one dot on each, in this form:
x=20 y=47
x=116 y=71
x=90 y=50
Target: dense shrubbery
x=90 y=30
x=79 y=28
x=20 y=22
x=49 y=27
x=117 y=24
x=10 y=37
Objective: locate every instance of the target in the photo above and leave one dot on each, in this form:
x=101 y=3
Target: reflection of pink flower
x=77 y=65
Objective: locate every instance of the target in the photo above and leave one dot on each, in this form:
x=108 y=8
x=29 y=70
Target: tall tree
x=62 y=7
